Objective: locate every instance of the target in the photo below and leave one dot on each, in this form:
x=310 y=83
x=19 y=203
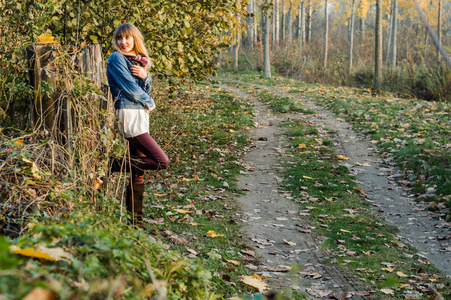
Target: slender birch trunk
x=326 y=34
x=283 y=33
x=276 y=21
x=351 y=37
x=289 y=24
x=301 y=27
x=378 y=47
x=266 y=48
x=389 y=35
x=250 y=24
x=432 y=33
x=394 y=33
x=439 y=28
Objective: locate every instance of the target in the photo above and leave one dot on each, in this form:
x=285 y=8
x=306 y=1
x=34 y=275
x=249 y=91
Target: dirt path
x=274 y=222
x=273 y=219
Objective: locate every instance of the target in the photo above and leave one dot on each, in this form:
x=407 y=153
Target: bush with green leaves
x=103 y=257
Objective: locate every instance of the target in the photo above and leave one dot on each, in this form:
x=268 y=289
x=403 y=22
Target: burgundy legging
x=150 y=156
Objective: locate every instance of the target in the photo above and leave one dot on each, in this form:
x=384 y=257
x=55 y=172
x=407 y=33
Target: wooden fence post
x=93 y=66
x=43 y=76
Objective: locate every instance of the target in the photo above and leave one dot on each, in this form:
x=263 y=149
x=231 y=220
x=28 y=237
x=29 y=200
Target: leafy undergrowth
x=358 y=238
x=413 y=136
x=74 y=243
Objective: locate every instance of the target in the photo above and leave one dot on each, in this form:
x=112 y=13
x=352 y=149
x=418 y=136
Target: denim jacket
x=128 y=91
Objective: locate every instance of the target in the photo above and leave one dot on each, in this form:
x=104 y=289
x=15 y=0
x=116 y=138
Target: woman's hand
x=138 y=71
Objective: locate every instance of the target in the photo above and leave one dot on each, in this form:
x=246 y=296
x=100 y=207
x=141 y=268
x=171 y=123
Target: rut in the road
x=274 y=222
x=416 y=227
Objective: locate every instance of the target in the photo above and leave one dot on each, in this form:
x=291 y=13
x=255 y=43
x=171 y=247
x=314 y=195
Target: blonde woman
x=130 y=85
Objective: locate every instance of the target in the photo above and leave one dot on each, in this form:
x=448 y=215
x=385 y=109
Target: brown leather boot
x=134 y=203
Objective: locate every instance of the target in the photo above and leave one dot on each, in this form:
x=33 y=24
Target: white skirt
x=132 y=122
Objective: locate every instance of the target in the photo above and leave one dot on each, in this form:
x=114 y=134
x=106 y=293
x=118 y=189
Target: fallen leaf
x=233 y=262
x=254 y=282
x=281 y=219
x=302 y=146
x=279 y=268
x=344 y=230
x=307 y=177
x=388 y=269
x=195 y=178
x=290 y=243
x=343 y=157
x=401 y=274
x=340 y=295
x=30 y=252
x=160 y=195
x=39 y=294
x=178 y=240
x=213 y=234
x=363 y=165
x=388 y=291
x=318 y=293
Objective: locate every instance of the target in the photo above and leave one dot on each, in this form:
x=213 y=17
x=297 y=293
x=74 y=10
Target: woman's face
x=126 y=43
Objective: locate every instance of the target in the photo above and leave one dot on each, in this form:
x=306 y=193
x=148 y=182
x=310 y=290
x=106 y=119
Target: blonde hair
x=127 y=29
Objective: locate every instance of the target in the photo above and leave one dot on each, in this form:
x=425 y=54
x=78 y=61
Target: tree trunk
x=394 y=33
x=283 y=32
x=439 y=28
x=351 y=38
x=266 y=49
x=276 y=28
x=378 y=47
x=308 y=30
x=432 y=33
x=362 y=28
x=290 y=24
x=389 y=35
x=326 y=34
x=236 y=48
x=250 y=24
x=301 y=27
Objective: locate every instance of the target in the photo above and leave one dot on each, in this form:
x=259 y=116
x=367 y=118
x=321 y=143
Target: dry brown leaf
x=233 y=262
x=280 y=268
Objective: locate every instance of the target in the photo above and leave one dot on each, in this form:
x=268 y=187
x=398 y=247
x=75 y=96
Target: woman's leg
x=148 y=152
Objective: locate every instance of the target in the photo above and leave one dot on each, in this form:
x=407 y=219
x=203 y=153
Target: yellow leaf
x=302 y=146
x=193 y=224
x=47 y=39
x=19 y=142
x=307 y=177
x=433 y=280
x=401 y=274
x=39 y=294
x=343 y=157
x=388 y=269
x=344 y=230
x=195 y=178
x=232 y=131
x=363 y=165
x=233 y=262
x=329 y=199
x=160 y=195
x=213 y=234
x=183 y=211
x=30 y=252
x=254 y=282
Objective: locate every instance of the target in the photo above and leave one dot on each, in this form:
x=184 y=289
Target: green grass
x=357 y=237
x=416 y=133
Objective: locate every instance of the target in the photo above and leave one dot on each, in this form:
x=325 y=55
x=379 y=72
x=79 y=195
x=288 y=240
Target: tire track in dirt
x=273 y=221
x=415 y=226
